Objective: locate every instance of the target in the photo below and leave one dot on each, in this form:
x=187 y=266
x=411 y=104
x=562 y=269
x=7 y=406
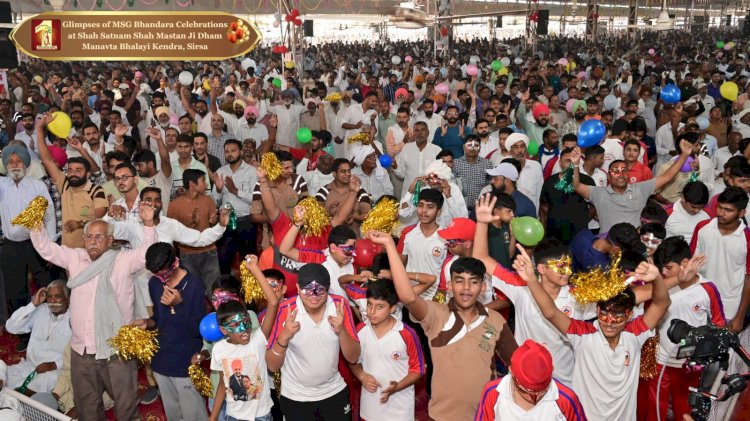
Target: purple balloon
x=687 y=167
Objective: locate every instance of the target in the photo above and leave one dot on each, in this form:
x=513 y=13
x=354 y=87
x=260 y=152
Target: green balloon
x=719 y=44
x=533 y=148
x=276 y=82
x=304 y=135
x=528 y=230
x=497 y=65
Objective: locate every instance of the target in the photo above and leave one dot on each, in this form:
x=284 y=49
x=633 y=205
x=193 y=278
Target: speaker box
x=307 y=27
x=5 y=16
x=746 y=26
x=728 y=20
x=499 y=23
x=8 y=52
x=543 y=22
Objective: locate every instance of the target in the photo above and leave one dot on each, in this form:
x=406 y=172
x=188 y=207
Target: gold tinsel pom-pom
x=334 y=97
x=32 y=216
x=598 y=285
x=383 y=217
x=201 y=382
x=440 y=297
x=250 y=286
x=271 y=165
x=360 y=137
x=132 y=342
x=316 y=216
x=649 y=365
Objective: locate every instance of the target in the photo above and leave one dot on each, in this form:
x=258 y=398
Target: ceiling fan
x=408 y=16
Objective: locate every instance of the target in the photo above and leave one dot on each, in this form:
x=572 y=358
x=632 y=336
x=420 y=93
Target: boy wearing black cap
x=307 y=350
x=529 y=391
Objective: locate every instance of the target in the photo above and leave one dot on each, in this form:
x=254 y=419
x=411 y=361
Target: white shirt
x=389 y=358
x=412 y=162
x=606 y=380
x=491 y=145
x=14 y=198
x=425 y=254
x=49 y=333
x=612 y=151
x=680 y=222
x=726 y=261
x=335 y=271
x=376 y=187
x=244 y=179
x=531 y=324
x=599 y=176
x=722 y=156
x=168 y=230
x=453 y=207
x=250 y=360
x=28 y=140
x=530 y=181
x=354 y=115
x=664 y=143
x=258 y=132
x=546 y=409
x=286 y=132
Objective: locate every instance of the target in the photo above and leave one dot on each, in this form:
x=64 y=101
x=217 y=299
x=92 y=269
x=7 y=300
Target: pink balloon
x=434 y=107
x=651 y=51
x=472 y=70
x=563 y=61
x=727 y=47
x=581 y=75
x=408 y=59
x=443 y=88
x=174 y=119
x=275 y=24
x=417 y=94
x=569 y=105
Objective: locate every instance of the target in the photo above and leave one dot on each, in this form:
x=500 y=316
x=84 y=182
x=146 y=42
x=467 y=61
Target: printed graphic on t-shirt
x=242 y=378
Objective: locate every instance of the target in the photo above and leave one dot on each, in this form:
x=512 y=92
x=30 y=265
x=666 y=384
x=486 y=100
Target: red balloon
x=297 y=21
x=295 y=12
x=365 y=252
x=288 y=18
x=444 y=31
x=283 y=49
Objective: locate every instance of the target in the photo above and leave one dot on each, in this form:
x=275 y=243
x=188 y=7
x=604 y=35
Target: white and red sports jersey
x=560 y=403
x=728 y=260
x=310 y=371
x=531 y=323
x=425 y=254
x=358 y=295
x=389 y=358
x=695 y=304
x=606 y=379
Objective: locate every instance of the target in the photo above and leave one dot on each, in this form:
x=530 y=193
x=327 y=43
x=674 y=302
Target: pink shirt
x=82 y=298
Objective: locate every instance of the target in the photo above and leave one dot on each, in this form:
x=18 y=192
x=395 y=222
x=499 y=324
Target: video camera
x=707 y=347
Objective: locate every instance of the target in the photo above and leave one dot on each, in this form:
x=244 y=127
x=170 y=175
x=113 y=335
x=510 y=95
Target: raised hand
x=224 y=215
x=523 y=265
x=251 y=261
x=647 y=272
x=40 y=297
x=121 y=130
x=484 y=207
x=170 y=297
x=337 y=321
x=291 y=327
x=146 y=211
x=379 y=237
x=686 y=148
x=691 y=269
x=262 y=175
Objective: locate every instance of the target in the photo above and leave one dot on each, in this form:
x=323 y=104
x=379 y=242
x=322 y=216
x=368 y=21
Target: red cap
x=459 y=229
x=539 y=109
x=532 y=366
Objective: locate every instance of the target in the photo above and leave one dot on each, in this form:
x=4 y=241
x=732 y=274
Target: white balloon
x=624 y=88
x=506 y=61
x=396 y=60
x=518 y=60
x=474 y=60
x=185 y=78
x=247 y=63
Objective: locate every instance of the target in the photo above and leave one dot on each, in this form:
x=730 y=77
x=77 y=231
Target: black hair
x=432 y=196
x=516 y=163
x=284 y=156
x=695 y=193
x=274 y=274
x=741 y=170
x=228 y=309
x=129 y=166
x=116 y=155
x=382 y=289
x=624 y=236
x=444 y=153
x=566 y=151
x=88 y=125
x=629 y=260
x=149 y=189
x=340 y=234
x=735 y=161
x=654 y=212
x=197 y=135
x=549 y=249
x=655 y=228
x=744 y=143
x=505 y=201
x=671 y=250
x=233 y=142
x=570 y=137
x=145 y=156
x=160 y=256
x=80 y=160
x=186 y=138
x=471 y=137
x=469 y=265
x=689 y=136
x=632 y=142
x=403 y=110
x=339 y=162
x=380 y=262
x=227 y=283
x=191 y=175
x=624 y=301
x=734 y=196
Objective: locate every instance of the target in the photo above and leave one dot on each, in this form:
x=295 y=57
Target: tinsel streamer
x=360 y=137
x=250 y=286
x=417 y=190
x=201 y=382
x=277 y=382
x=232 y=225
x=649 y=366
x=316 y=217
x=383 y=217
x=22 y=388
x=693 y=177
x=271 y=165
x=440 y=297
x=565 y=184
x=334 y=97
x=132 y=341
x=32 y=216
x=598 y=285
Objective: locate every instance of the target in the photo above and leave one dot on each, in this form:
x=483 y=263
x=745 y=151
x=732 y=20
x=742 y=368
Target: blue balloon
x=670 y=94
x=209 y=328
x=385 y=161
x=591 y=133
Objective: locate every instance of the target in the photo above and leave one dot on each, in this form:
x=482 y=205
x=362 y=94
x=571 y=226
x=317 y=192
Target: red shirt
x=639 y=172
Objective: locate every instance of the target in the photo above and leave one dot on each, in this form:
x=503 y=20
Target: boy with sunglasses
x=240 y=358
x=529 y=391
x=337 y=258
x=554 y=266
x=607 y=351
x=309 y=333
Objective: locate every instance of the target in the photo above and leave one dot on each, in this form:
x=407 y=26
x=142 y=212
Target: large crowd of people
x=157 y=195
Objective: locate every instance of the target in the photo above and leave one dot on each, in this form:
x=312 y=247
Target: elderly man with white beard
x=48 y=320
x=17 y=256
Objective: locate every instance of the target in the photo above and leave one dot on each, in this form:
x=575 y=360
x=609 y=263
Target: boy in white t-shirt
x=391 y=361
x=240 y=358
x=607 y=351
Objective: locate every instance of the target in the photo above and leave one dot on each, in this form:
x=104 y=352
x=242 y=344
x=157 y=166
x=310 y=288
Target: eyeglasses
x=457 y=242
x=650 y=240
x=123 y=178
x=96 y=237
x=239 y=323
x=348 y=250
x=620 y=171
x=561 y=266
x=314 y=289
x=612 y=318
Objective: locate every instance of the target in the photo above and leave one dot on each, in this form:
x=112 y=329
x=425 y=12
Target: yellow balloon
x=289 y=64
x=61 y=125
x=503 y=71
x=206 y=85
x=729 y=90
